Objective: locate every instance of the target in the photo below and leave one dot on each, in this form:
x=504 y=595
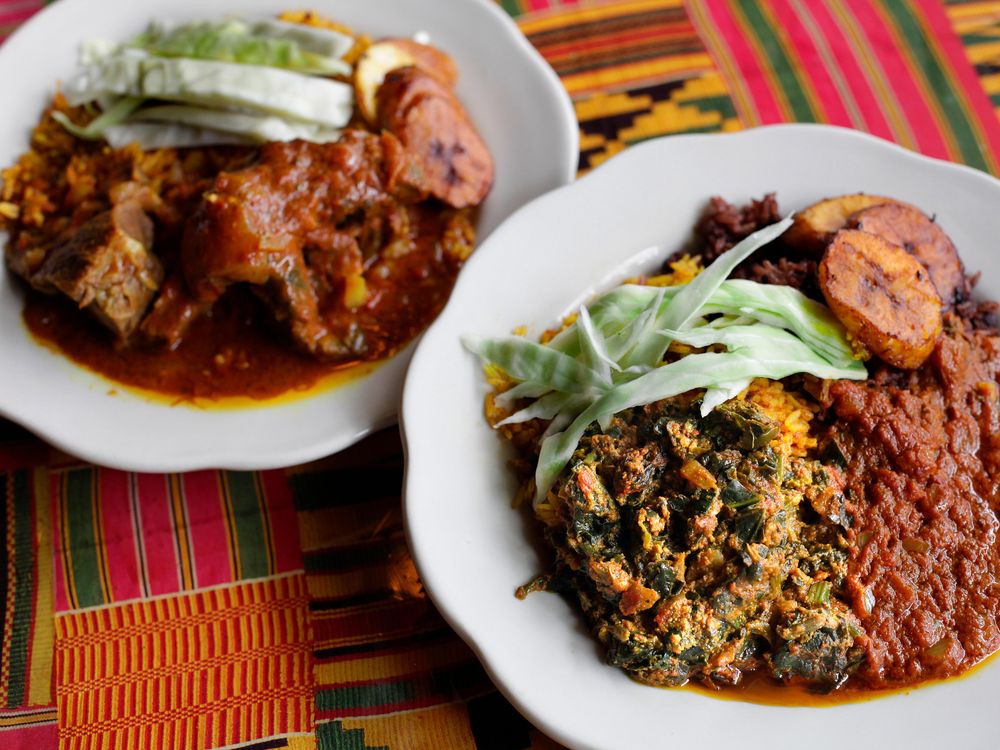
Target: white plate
x=518 y=104
x=472 y=550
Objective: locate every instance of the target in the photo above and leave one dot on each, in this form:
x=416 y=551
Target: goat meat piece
x=107 y=267
x=255 y=224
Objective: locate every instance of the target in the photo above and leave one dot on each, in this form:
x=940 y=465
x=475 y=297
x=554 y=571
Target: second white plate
x=472 y=550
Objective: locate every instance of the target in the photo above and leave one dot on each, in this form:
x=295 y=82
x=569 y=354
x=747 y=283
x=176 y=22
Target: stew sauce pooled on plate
x=238 y=208
x=777 y=459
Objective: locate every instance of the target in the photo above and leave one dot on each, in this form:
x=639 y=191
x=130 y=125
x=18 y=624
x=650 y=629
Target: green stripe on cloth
x=779 y=61
x=250 y=526
x=680 y=131
x=511 y=6
x=979 y=38
x=363 y=696
x=24 y=574
x=333 y=736
x=444 y=685
x=721 y=104
x=955 y=112
x=78 y=527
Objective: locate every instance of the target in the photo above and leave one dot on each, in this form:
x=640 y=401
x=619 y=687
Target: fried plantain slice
x=882 y=295
x=390 y=54
x=911 y=229
x=433 y=126
x=816 y=224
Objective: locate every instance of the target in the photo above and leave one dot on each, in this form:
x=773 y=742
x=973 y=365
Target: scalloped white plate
x=472 y=550
x=518 y=104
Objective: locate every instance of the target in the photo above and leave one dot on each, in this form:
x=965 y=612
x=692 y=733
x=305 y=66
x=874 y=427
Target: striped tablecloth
x=282 y=609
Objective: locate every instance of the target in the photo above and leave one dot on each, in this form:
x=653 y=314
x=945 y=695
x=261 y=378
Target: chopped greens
x=819 y=593
x=689 y=555
x=612 y=357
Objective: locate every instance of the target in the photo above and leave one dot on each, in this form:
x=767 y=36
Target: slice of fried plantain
x=911 y=229
x=816 y=224
x=434 y=127
x=882 y=295
x=391 y=54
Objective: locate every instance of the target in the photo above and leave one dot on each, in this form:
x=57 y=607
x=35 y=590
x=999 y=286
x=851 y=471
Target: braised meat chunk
x=259 y=226
x=107 y=267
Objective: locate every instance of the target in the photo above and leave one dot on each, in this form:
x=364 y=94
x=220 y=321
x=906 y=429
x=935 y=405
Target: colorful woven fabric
x=120 y=537
x=27 y=713
x=206 y=669
x=890 y=67
x=389 y=672
x=282 y=609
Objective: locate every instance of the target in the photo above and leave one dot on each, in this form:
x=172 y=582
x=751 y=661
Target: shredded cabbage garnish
x=230 y=81
x=612 y=357
x=276 y=44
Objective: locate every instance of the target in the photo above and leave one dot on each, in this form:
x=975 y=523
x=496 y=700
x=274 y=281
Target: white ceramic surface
x=473 y=550
x=518 y=104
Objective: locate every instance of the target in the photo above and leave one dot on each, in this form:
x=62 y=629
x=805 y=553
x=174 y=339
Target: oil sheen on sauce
x=235 y=360
x=761 y=688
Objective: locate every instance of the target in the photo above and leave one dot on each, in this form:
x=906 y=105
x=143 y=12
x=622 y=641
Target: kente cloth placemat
x=281 y=609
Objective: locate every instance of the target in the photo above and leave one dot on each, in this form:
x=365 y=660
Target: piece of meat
x=432 y=124
x=239 y=235
x=172 y=314
x=724 y=224
x=337 y=269
x=107 y=267
x=255 y=225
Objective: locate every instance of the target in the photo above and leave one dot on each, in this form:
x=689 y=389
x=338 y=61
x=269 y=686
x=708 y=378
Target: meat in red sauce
x=257 y=226
x=286 y=261
x=923 y=452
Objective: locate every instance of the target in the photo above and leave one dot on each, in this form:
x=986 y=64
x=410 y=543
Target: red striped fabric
x=207 y=529
x=892 y=67
x=967 y=81
x=156 y=534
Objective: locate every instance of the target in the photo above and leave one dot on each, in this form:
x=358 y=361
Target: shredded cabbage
x=253 y=126
x=212 y=83
x=230 y=81
x=153 y=135
x=612 y=357
x=275 y=44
